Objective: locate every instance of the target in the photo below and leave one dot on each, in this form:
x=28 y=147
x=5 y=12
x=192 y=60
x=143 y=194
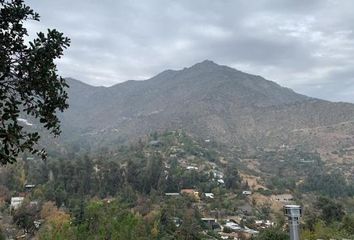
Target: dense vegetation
x=119 y=193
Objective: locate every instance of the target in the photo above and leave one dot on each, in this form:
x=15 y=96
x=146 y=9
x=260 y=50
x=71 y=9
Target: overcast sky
x=307 y=45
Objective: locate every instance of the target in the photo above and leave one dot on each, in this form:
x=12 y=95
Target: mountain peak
x=205 y=63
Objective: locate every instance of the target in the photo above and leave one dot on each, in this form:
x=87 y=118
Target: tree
x=57 y=223
x=2 y=236
x=24 y=217
x=272 y=234
x=232 y=178
x=29 y=85
x=330 y=210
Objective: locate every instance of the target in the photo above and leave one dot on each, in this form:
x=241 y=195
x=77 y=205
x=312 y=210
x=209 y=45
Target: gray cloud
x=304 y=45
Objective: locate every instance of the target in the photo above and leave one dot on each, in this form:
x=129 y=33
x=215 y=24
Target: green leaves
x=29 y=84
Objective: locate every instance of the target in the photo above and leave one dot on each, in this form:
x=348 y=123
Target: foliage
x=232 y=178
x=325 y=231
x=2 y=236
x=330 y=210
x=329 y=184
x=272 y=234
x=57 y=223
x=25 y=216
x=29 y=84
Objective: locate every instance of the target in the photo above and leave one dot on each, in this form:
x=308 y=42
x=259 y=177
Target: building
x=217 y=174
x=29 y=187
x=172 y=194
x=221 y=181
x=246 y=192
x=192 y=168
x=16 y=202
x=209 y=195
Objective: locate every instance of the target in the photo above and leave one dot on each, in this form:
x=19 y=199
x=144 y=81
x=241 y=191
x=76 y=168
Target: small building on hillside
x=217 y=174
x=208 y=220
x=221 y=181
x=209 y=195
x=172 y=194
x=29 y=187
x=16 y=202
x=192 y=168
x=246 y=193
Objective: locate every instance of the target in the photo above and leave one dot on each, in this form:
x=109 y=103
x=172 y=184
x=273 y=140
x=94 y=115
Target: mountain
x=206 y=100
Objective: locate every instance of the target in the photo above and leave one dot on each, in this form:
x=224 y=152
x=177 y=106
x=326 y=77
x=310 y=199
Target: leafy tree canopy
x=272 y=234
x=29 y=84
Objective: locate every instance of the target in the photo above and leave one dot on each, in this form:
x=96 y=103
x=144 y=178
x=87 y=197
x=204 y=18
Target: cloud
x=304 y=45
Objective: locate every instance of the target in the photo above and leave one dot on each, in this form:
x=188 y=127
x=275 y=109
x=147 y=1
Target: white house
x=209 y=195
x=221 y=181
x=172 y=194
x=246 y=192
x=192 y=168
x=16 y=202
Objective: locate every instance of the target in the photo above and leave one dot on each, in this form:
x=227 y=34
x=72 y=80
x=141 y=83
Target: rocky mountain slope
x=207 y=100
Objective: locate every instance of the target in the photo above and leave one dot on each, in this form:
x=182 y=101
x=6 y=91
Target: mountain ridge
x=205 y=99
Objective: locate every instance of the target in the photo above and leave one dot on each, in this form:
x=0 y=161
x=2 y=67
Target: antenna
x=293 y=212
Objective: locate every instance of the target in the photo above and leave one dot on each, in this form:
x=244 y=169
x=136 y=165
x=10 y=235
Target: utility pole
x=293 y=212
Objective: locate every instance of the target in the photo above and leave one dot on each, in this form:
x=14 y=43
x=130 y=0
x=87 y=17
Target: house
x=192 y=168
x=246 y=192
x=217 y=174
x=172 y=194
x=249 y=230
x=29 y=187
x=209 y=195
x=16 y=202
x=208 y=220
x=34 y=203
x=221 y=181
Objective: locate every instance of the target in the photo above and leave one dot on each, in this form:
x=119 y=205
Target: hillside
x=208 y=101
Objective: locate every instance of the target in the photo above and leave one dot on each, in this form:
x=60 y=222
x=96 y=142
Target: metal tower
x=293 y=212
